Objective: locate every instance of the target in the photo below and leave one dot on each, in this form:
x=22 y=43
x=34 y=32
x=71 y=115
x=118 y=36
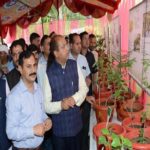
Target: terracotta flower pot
x=134 y=123
x=104 y=93
x=116 y=128
x=101 y=109
x=127 y=98
x=126 y=110
x=138 y=146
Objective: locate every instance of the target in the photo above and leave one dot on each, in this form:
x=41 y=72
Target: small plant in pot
x=112 y=127
x=140 y=138
x=102 y=102
x=124 y=98
x=109 y=135
x=135 y=123
x=111 y=141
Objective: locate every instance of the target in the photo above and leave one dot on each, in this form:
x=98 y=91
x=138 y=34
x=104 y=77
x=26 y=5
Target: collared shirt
x=24 y=110
x=82 y=62
x=55 y=107
x=91 y=61
x=10 y=65
x=42 y=64
x=95 y=53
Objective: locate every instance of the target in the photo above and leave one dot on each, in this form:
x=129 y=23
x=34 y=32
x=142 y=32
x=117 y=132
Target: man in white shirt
x=75 y=49
x=42 y=63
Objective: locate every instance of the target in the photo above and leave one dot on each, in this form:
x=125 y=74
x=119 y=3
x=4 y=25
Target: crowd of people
x=46 y=92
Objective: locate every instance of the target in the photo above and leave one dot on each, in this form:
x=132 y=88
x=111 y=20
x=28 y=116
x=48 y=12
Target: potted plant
x=140 y=138
x=113 y=127
x=112 y=141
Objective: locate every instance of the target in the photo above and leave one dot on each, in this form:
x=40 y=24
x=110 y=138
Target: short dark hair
x=82 y=34
x=33 y=36
x=52 y=34
x=23 y=42
x=71 y=37
x=14 y=44
x=32 y=48
x=92 y=36
x=24 y=55
x=43 y=39
x=53 y=47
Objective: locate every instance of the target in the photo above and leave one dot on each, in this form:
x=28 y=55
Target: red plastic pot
x=101 y=110
x=134 y=134
x=133 y=123
x=116 y=128
x=123 y=113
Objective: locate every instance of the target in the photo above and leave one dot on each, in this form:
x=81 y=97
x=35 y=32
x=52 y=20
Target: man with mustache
x=27 y=121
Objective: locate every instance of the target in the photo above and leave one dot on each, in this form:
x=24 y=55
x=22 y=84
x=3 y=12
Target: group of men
x=48 y=86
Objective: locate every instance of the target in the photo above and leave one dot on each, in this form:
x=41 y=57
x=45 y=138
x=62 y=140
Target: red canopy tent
x=25 y=12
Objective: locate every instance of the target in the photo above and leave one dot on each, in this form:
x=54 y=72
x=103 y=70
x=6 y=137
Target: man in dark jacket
x=4 y=142
x=13 y=77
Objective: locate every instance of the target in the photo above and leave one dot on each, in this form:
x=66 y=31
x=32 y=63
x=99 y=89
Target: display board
x=115 y=38
x=139 y=40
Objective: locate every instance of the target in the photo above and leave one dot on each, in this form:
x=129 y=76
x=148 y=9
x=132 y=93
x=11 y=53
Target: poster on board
x=115 y=38
x=139 y=40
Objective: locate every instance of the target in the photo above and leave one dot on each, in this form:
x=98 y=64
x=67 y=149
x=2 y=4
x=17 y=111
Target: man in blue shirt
x=26 y=119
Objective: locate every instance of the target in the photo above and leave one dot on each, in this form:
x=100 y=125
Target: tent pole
x=42 y=26
x=58 y=16
x=1 y=30
x=42 y=21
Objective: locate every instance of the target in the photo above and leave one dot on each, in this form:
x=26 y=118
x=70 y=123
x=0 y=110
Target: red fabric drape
x=36 y=13
x=74 y=5
x=57 y=3
x=25 y=20
x=86 y=9
x=2 y=2
x=71 y=4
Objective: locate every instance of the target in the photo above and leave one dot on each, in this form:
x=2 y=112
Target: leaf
x=109 y=111
x=126 y=142
x=105 y=131
x=116 y=142
x=114 y=135
x=102 y=140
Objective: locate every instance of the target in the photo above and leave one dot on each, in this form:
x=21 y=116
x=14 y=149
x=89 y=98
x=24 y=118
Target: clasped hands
x=41 y=128
x=67 y=103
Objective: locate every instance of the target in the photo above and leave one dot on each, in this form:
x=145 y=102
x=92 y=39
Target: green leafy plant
x=101 y=45
x=146 y=65
x=142 y=139
x=114 y=141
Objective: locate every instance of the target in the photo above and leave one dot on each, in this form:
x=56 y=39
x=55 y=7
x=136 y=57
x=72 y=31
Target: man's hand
x=71 y=101
x=47 y=124
x=90 y=99
x=39 y=129
x=68 y=103
x=88 y=81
